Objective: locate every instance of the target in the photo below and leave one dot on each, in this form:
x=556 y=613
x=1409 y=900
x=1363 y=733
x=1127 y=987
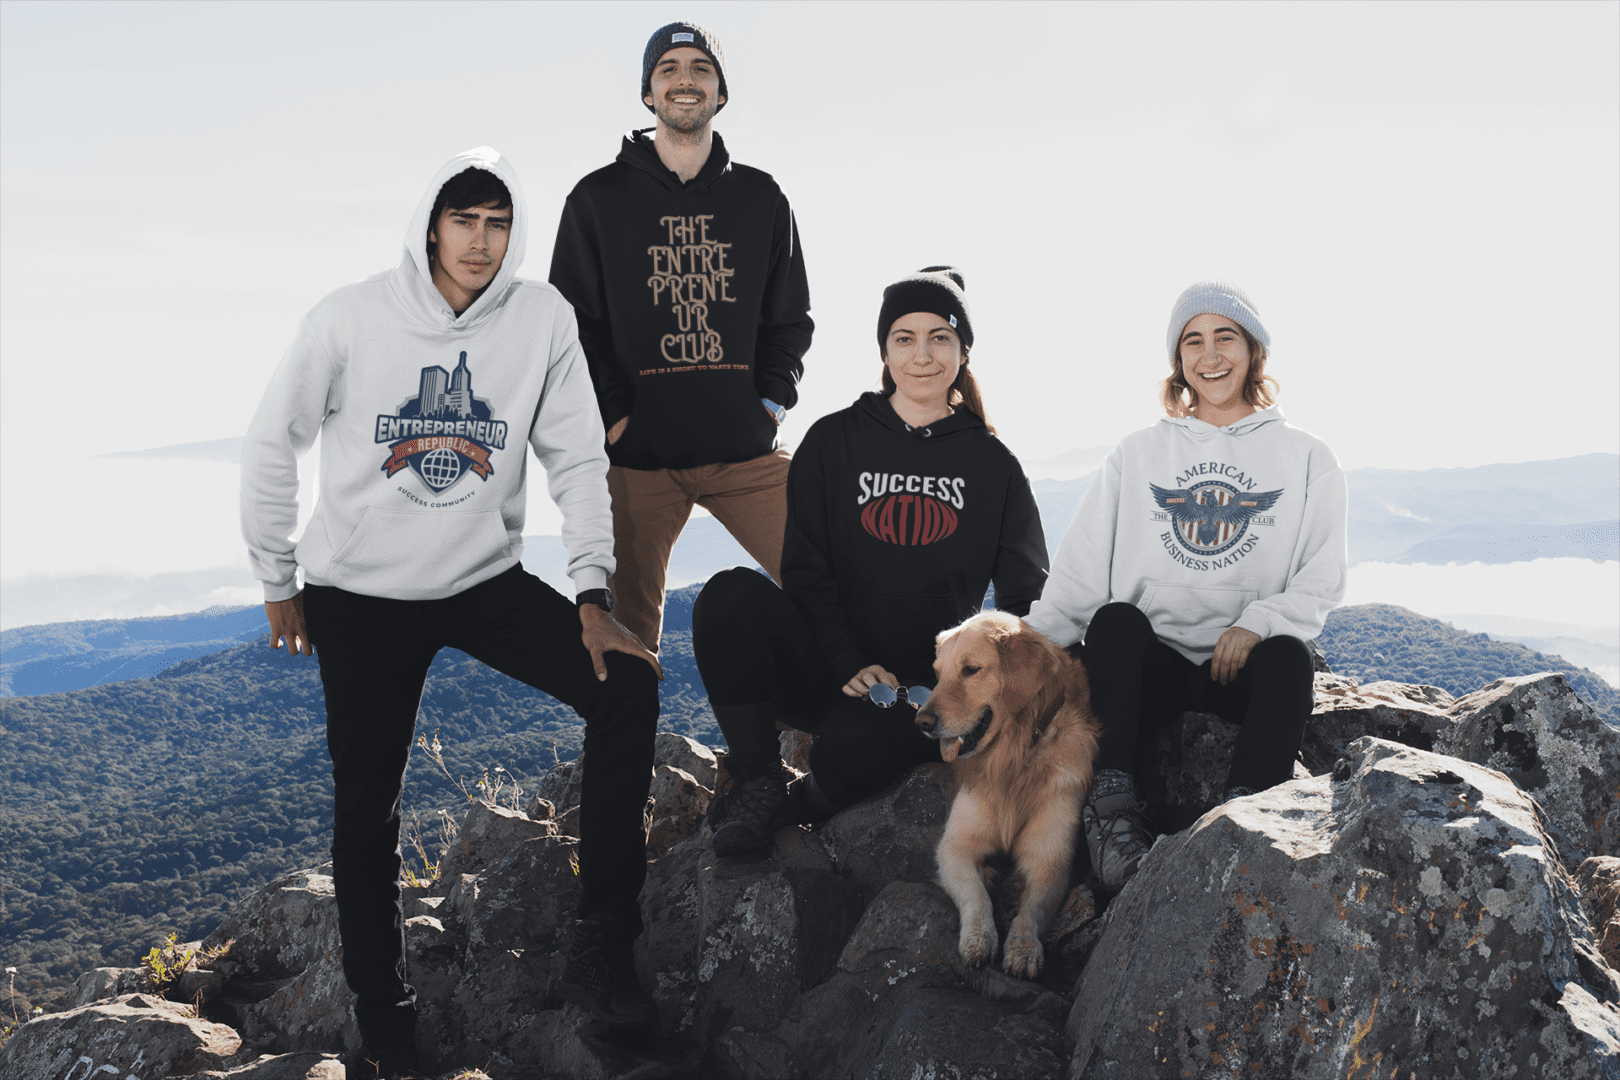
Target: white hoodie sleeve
x=1080 y=579
x=568 y=439
x=1319 y=569
x=302 y=392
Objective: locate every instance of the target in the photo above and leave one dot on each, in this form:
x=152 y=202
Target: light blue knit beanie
x=1215 y=298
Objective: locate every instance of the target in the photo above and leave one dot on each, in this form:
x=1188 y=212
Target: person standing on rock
x=685 y=271
x=428 y=384
x=902 y=508
x=1207 y=550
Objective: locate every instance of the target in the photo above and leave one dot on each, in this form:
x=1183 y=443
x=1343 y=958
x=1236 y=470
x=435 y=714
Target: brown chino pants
x=651 y=507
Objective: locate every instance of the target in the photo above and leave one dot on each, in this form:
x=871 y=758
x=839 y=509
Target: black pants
x=760 y=663
x=1139 y=684
x=374 y=655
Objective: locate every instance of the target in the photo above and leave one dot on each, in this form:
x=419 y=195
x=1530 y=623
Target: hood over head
x=416 y=269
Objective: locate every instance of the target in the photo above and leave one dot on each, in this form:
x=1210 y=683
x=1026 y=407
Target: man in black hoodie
x=688 y=283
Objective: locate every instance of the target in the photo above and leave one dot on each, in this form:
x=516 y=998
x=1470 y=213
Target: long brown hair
x=964 y=393
x=1259 y=389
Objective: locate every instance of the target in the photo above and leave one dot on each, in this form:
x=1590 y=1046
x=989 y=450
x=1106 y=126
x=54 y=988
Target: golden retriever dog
x=1012 y=712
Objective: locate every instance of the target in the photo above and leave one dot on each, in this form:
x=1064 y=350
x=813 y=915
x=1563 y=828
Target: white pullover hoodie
x=1204 y=528
x=425 y=418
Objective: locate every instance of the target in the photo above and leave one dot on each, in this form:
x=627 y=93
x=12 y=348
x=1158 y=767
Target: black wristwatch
x=602 y=598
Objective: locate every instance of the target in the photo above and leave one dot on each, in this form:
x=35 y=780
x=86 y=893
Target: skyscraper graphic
x=431 y=401
x=459 y=400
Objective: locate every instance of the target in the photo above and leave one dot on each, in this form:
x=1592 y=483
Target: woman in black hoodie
x=902 y=509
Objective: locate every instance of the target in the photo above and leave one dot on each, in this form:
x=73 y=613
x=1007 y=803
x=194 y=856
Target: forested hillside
x=1381 y=641
x=136 y=808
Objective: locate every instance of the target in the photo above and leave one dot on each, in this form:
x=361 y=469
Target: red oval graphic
x=911 y=520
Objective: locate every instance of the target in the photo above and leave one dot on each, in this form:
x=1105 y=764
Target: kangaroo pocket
x=693 y=417
x=898 y=631
x=1193 y=616
x=417 y=555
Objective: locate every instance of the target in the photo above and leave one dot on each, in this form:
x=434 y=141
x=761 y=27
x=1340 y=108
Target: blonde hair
x=1259 y=389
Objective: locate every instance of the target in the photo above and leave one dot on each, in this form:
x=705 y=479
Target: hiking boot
x=806 y=803
x=1117 y=835
x=744 y=812
x=600 y=977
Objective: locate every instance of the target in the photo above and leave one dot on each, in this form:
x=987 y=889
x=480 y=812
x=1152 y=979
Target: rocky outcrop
x=1405 y=913
x=1400 y=911
x=1599 y=880
x=138 y=1035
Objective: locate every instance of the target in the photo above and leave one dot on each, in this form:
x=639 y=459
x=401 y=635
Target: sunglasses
x=885 y=696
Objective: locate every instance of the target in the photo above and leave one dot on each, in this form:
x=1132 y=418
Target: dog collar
x=1042 y=723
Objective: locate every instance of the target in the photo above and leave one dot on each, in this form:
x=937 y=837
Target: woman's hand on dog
x=868 y=677
x=1231 y=653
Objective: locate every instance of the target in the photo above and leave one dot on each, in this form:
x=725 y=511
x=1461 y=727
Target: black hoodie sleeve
x=785 y=324
x=807 y=574
x=576 y=272
x=1020 y=570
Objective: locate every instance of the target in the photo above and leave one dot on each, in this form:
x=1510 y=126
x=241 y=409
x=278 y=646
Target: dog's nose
x=927 y=720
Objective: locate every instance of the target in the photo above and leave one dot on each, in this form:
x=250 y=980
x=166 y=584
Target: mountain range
x=1497 y=514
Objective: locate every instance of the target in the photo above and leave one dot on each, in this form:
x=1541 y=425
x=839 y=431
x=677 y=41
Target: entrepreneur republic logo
x=443 y=432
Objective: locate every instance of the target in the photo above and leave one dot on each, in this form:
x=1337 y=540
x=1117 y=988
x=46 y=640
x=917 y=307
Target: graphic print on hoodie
x=444 y=432
x=692 y=304
x=894 y=533
x=423 y=416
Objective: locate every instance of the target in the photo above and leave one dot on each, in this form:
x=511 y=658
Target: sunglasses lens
x=883 y=694
x=918 y=695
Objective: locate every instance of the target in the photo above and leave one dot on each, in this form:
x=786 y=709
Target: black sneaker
x=745 y=811
x=600 y=977
x=1117 y=835
x=388 y=1041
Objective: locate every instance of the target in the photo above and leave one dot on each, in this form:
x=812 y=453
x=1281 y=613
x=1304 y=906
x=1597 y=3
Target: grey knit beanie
x=679 y=35
x=1215 y=298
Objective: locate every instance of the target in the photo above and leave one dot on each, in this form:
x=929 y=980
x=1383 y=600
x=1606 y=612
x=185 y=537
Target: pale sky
x=1421 y=199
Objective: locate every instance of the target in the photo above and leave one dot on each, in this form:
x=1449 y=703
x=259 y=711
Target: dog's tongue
x=949 y=748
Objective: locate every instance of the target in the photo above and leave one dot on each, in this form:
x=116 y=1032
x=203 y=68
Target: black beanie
x=936 y=289
x=675 y=36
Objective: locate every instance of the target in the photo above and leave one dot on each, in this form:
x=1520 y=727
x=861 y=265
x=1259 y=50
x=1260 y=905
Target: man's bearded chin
x=686 y=124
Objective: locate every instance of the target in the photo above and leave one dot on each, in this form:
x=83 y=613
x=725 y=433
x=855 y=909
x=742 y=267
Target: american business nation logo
x=442 y=433
x=1211 y=516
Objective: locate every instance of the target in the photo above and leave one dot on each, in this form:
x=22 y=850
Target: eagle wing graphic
x=1179 y=502
x=1242 y=508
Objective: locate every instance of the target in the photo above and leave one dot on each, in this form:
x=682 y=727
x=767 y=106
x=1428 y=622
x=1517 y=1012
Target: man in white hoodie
x=427 y=383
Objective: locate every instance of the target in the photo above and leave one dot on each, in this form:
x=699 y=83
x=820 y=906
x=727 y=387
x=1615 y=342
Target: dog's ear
x=1027 y=664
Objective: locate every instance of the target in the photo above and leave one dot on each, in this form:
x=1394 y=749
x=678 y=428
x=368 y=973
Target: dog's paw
x=977 y=943
x=1024 y=955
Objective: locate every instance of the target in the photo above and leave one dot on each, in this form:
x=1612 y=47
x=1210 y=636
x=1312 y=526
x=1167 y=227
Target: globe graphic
x=440 y=468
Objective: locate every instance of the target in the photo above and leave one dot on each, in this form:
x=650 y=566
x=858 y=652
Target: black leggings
x=1139 y=684
x=759 y=663
x=374 y=655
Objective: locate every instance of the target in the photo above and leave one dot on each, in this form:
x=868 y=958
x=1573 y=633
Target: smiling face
x=685 y=90
x=1215 y=363
x=923 y=355
x=469 y=247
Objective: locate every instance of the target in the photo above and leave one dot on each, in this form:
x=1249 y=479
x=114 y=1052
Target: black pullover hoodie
x=692 y=304
x=894 y=532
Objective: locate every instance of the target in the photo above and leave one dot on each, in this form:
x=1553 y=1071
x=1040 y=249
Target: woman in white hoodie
x=1208 y=549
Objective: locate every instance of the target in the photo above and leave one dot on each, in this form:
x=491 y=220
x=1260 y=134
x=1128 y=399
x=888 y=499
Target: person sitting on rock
x=902 y=509
x=1208 y=548
x=428 y=384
